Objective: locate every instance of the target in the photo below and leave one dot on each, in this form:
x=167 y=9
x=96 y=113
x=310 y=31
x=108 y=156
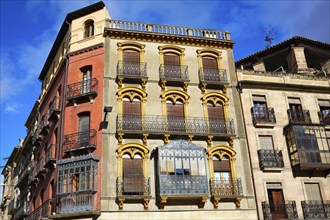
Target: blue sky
x=28 y=30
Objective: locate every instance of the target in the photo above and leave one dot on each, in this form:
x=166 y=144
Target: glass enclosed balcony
x=270 y=159
x=84 y=140
x=308 y=150
x=181 y=173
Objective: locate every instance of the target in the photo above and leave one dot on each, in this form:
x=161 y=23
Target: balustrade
x=288 y=209
x=316 y=209
x=263 y=115
x=270 y=158
x=80 y=140
x=299 y=116
x=213 y=75
x=226 y=187
x=82 y=89
x=133 y=186
x=131 y=69
x=171 y=30
x=173 y=72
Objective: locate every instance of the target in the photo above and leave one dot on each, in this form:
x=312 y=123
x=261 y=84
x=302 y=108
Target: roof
x=292 y=41
x=64 y=28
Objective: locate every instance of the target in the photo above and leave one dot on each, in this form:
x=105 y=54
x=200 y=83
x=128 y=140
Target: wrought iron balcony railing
x=154 y=124
x=316 y=209
x=287 y=210
x=263 y=115
x=54 y=108
x=80 y=141
x=36 y=139
x=82 y=89
x=76 y=201
x=24 y=170
x=22 y=211
x=269 y=158
x=324 y=117
x=182 y=185
x=299 y=116
x=40 y=168
x=170 y=30
x=51 y=154
x=131 y=69
x=213 y=75
x=133 y=187
x=173 y=73
x=226 y=187
x=31 y=178
x=44 y=124
x=11 y=207
x=42 y=211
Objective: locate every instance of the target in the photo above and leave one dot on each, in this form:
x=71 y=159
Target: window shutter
x=313 y=191
x=131 y=56
x=215 y=111
x=221 y=165
x=171 y=59
x=210 y=63
x=266 y=142
x=133 y=176
x=83 y=123
x=176 y=110
x=131 y=108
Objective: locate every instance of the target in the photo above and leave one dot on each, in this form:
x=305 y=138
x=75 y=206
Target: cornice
x=86 y=49
x=167 y=39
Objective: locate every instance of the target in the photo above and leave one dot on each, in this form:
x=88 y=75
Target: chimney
x=296 y=60
x=260 y=67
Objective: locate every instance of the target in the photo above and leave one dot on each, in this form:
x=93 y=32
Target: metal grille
x=324 y=116
x=80 y=140
x=289 y=206
x=270 y=158
x=187 y=125
x=83 y=88
x=316 y=209
x=263 y=115
x=213 y=75
x=299 y=116
x=131 y=69
x=226 y=187
x=173 y=72
x=122 y=184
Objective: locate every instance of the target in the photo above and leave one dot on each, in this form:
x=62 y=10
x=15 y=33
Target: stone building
x=136 y=120
x=286 y=97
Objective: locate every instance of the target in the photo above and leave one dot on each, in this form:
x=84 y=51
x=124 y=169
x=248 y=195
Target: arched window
x=89 y=28
x=172 y=67
x=215 y=105
x=175 y=109
x=210 y=69
x=132 y=177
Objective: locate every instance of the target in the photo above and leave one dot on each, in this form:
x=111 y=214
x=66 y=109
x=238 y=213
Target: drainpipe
x=240 y=90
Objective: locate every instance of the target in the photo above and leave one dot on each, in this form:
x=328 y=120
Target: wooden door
x=175 y=116
x=217 y=122
x=277 y=204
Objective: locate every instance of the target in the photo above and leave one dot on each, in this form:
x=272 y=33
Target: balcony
x=40 y=171
x=50 y=159
x=212 y=78
x=226 y=190
x=173 y=75
x=288 y=210
x=316 y=209
x=32 y=180
x=24 y=170
x=44 y=125
x=11 y=207
x=168 y=30
x=263 y=117
x=42 y=211
x=54 y=109
x=131 y=72
x=159 y=125
x=80 y=141
x=299 y=116
x=270 y=160
x=133 y=189
x=22 y=211
x=36 y=139
x=76 y=201
x=81 y=90
x=324 y=117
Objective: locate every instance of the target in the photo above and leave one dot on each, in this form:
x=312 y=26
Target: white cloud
x=12 y=108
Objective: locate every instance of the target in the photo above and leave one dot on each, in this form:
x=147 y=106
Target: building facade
x=286 y=97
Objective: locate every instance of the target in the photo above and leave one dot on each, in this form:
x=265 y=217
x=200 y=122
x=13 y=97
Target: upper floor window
x=86 y=79
x=324 y=113
x=89 y=28
x=266 y=142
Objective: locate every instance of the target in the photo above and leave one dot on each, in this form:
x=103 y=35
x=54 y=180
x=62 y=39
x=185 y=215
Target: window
x=132 y=114
x=86 y=80
x=131 y=62
x=266 y=142
x=260 y=110
x=324 y=113
x=84 y=129
x=210 y=69
x=89 y=28
x=313 y=191
x=172 y=66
